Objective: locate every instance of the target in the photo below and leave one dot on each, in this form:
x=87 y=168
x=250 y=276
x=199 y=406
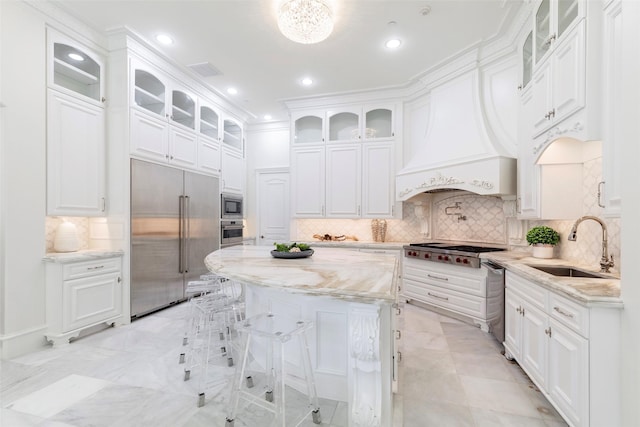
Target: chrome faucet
x=606 y=262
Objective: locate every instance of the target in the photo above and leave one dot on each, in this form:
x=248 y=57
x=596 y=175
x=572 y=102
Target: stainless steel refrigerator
x=175 y=224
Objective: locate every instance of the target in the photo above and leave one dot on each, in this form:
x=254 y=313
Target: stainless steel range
x=463 y=255
x=451 y=278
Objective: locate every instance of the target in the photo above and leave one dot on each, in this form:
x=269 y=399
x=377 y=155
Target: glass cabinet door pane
x=208 y=122
x=308 y=129
x=543 y=29
x=527 y=59
x=567 y=13
x=232 y=134
x=76 y=71
x=149 y=92
x=343 y=126
x=378 y=124
x=183 y=110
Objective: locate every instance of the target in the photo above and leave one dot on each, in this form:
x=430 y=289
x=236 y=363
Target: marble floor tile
x=451 y=374
x=58 y=396
x=499 y=396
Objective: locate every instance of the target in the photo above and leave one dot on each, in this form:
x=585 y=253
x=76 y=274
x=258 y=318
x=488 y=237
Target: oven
x=231 y=233
x=231 y=206
x=453 y=280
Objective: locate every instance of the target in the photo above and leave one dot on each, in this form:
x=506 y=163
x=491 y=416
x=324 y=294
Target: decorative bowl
x=289 y=255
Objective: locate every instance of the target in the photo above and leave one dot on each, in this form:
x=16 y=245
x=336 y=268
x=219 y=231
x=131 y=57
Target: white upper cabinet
x=554 y=19
x=610 y=187
x=346 y=124
x=232 y=165
x=209 y=122
x=378 y=179
x=74 y=69
x=308 y=181
x=149 y=92
x=232 y=136
x=526 y=60
x=344 y=181
x=183 y=108
x=75 y=129
x=308 y=128
x=209 y=140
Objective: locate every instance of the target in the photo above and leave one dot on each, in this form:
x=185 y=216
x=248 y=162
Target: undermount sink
x=566 y=271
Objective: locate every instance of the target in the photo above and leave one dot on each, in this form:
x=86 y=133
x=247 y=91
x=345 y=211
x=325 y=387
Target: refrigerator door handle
x=180 y=233
x=187 y=237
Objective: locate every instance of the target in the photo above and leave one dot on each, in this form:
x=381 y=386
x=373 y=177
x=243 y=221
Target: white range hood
x=458 y=150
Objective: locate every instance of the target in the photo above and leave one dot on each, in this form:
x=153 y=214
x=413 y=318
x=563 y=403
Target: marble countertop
x=355 y=244
x=85 y=255
x=350 y=275
x=605 y=291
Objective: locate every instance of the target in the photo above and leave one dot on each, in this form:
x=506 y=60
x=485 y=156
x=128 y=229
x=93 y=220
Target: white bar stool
x=276 y=330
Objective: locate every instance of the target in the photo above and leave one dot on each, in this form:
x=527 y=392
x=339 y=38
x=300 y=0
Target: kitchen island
x=350 y=297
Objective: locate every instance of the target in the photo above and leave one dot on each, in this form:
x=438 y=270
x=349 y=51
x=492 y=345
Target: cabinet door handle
x=600 y=186
x=564 y=313
x=398 y=334
x=519 y=87
x=119 y=279
x=548 y=331
x=97 y=267
x=552 y=113
x=103 y=99
x=104 y=204
x=437 y=296
x=446 y=279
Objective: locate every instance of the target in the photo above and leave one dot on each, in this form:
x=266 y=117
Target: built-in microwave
x=230 y=233
x=231 y=206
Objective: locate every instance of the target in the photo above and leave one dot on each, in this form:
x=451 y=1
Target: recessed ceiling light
x=232 y=91
x=76 y=56
x=267 y=117
x=164 y=39
x=393 y=43
x=307 y=81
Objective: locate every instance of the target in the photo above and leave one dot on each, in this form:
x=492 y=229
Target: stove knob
x=465 y=261
x=446 y=257
x=427 y=255
x=440 y=257
x=414 y=253
x=458 y=260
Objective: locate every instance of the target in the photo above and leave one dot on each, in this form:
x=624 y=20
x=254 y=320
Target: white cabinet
x=611 y=197
x=463 y=291
x=343 y=187
x=232 y=165
x=568 y=349
x=75 y=129
x=559 y=83
x=232 y=136
x=75 y=156
x=553 y=19
x=81 y=294
x=356 y=144
x=308 y=182
x=162 y=119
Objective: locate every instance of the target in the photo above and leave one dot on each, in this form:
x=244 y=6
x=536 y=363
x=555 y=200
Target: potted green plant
x=543 y=239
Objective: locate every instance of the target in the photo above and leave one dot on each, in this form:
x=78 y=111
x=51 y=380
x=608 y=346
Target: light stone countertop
x=84 y=255
x=605 y=291
x=355 y=244
x=349 y=275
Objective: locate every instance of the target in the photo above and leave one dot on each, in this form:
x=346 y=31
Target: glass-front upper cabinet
x=553 y=19
x=378 y=123
x=209 y=122
x=149 y=92
x=527 y=60
x=75 y=69
x=183 y=109
x=232 y=134
x=543 y=29
x=308 y=129
x=344 y=126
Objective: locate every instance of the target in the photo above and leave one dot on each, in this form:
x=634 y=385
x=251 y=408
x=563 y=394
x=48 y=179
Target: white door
x=344 y=163
x=272 y=213
x=535 y=344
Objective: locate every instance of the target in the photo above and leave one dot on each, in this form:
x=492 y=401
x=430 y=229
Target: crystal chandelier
x=305 y=21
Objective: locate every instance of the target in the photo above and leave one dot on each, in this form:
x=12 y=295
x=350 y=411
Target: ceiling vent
x=205 y=69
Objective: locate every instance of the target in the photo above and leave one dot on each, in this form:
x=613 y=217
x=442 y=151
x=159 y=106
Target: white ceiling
x=241 y=39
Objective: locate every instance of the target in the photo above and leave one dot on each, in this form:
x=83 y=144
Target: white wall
x=23 y=177
x=267 y=148
x=630 y=214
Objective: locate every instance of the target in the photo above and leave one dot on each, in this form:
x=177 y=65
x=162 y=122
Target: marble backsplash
x=82 y=226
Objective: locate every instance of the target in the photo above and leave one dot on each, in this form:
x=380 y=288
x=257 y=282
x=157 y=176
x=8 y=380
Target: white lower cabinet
x=569 y=350
x=82 y=294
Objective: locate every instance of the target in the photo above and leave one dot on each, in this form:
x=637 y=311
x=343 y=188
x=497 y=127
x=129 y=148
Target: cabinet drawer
x=452 y=300
x=90 y=268
x=465 y=284
x=534 y=294
x=570 y=314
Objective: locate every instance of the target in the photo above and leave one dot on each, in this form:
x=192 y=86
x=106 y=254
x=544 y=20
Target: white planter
x=542 y=251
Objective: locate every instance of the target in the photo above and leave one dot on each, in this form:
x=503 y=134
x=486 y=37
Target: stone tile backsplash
x=81 y=223
x=485 y=222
